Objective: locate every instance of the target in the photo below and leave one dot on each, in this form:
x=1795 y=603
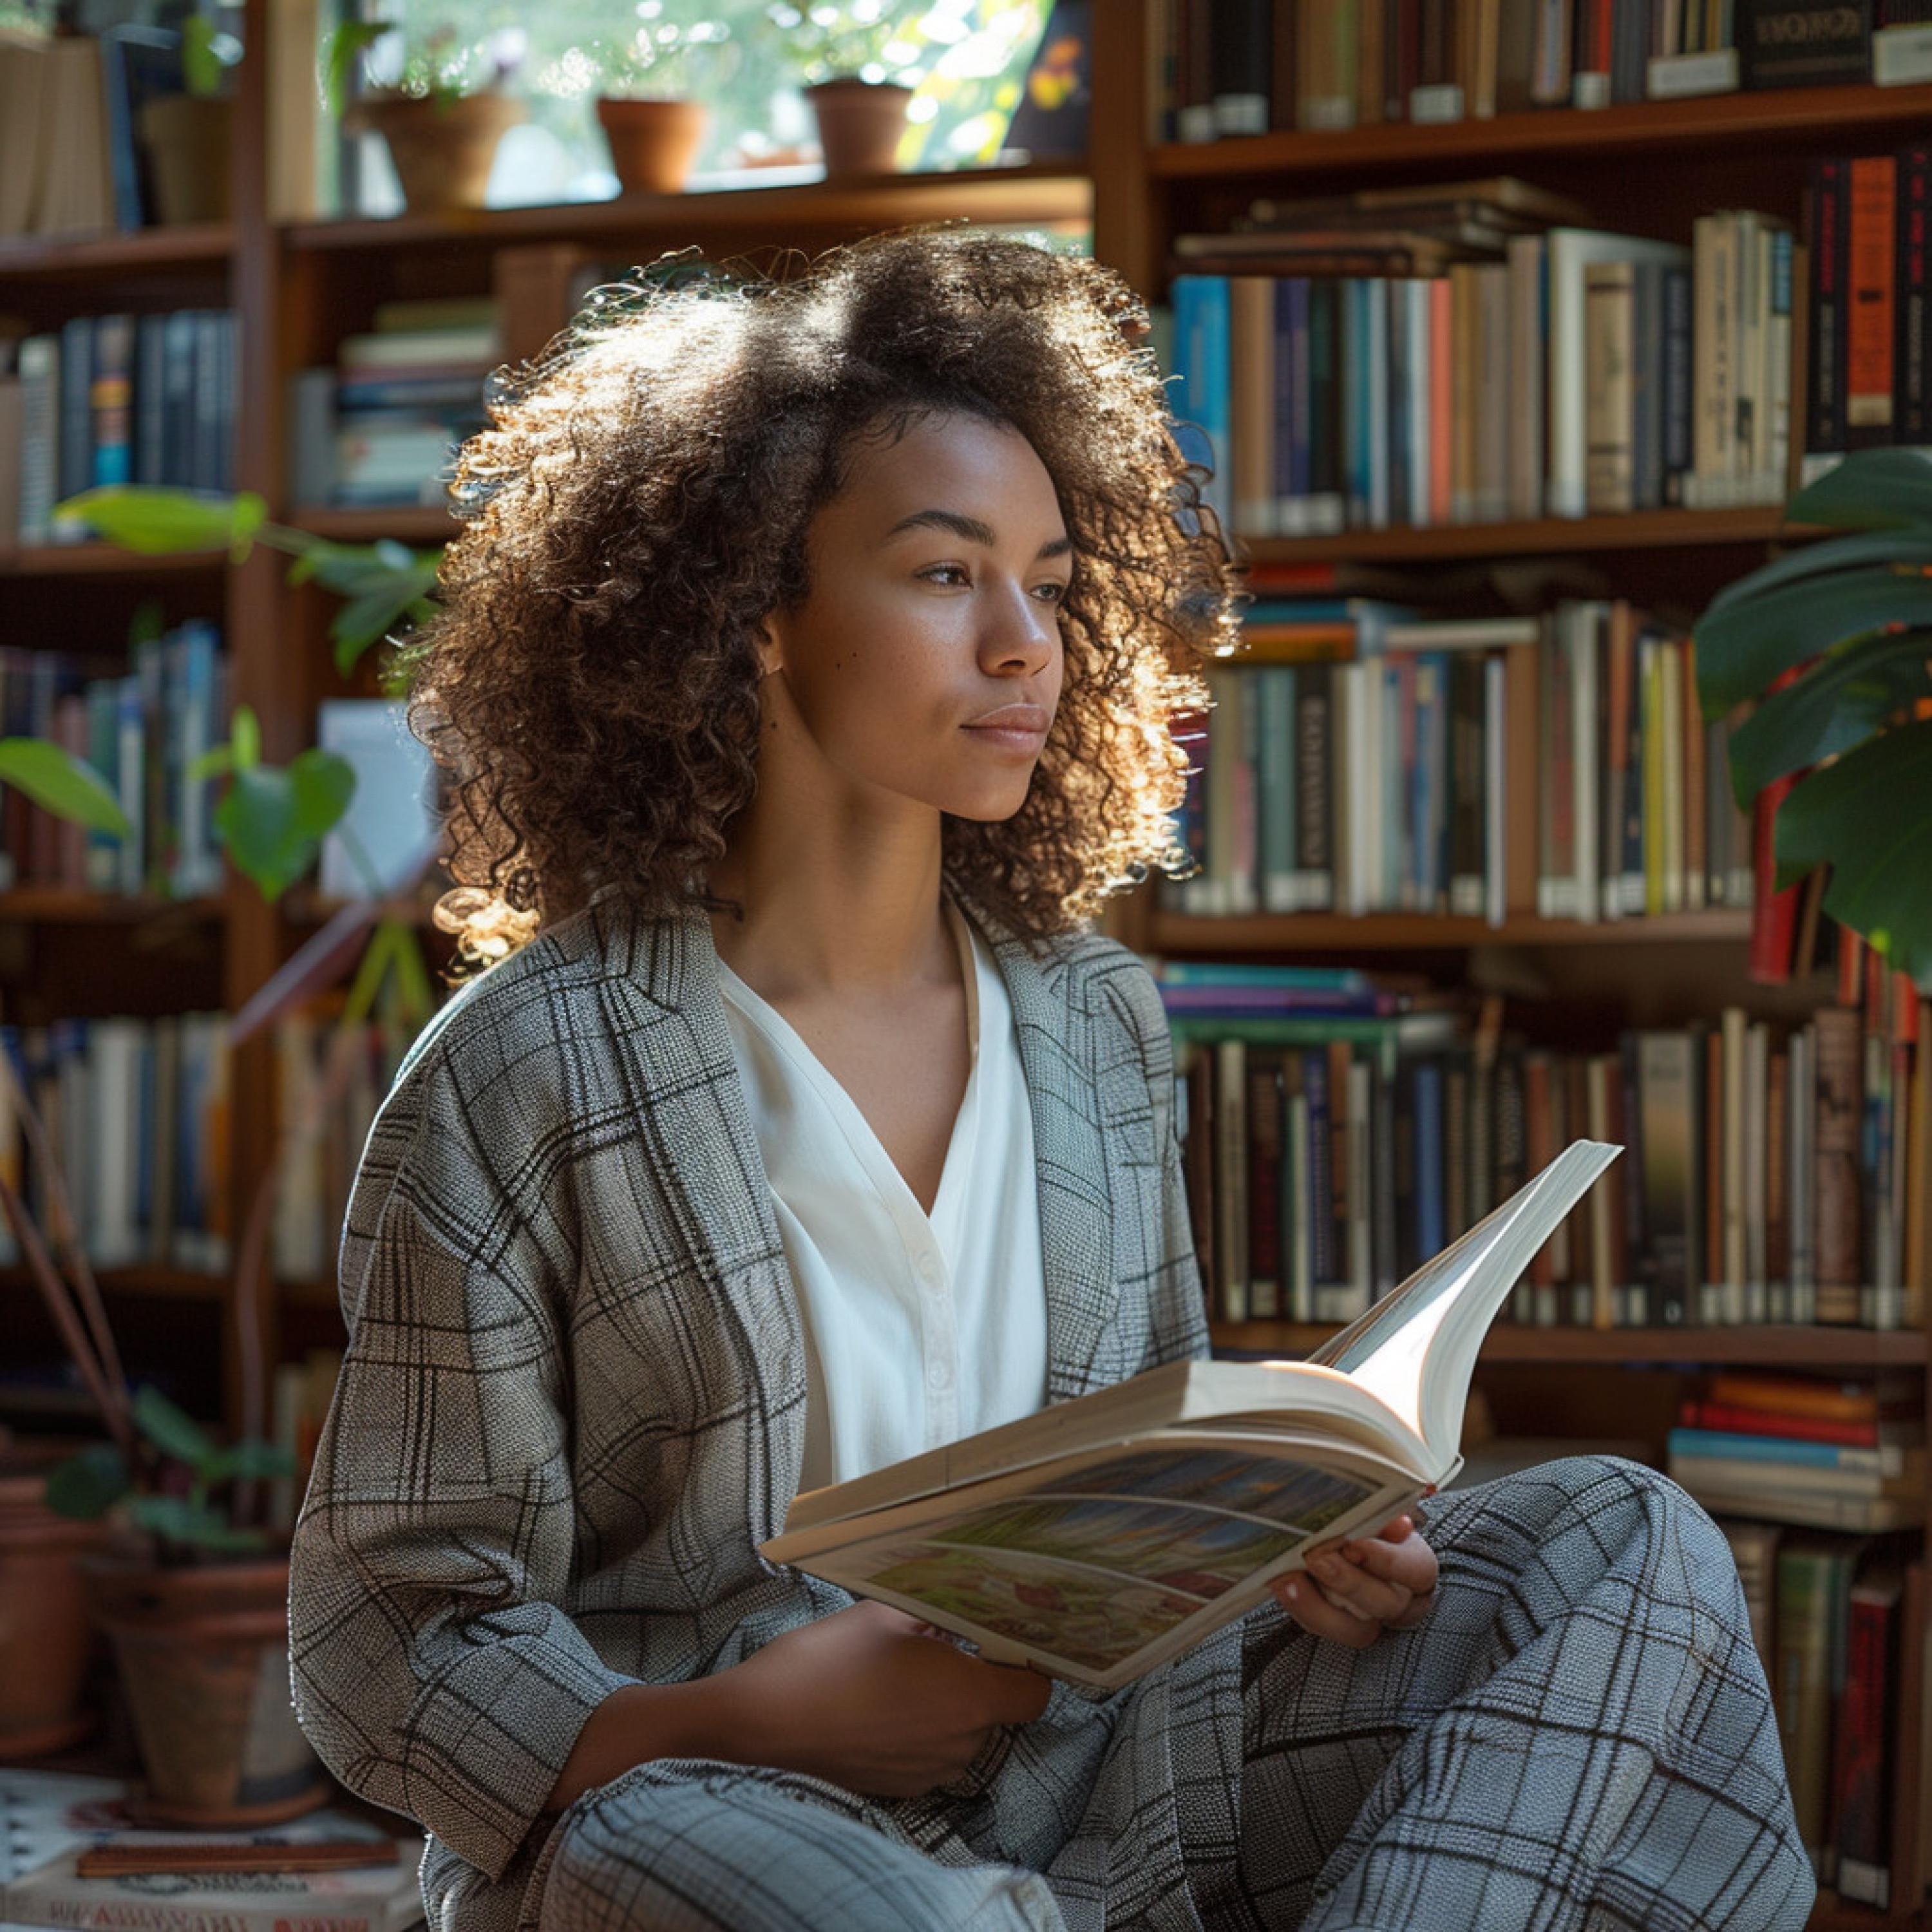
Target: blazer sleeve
x=1179 y=1328
x=431 y=1665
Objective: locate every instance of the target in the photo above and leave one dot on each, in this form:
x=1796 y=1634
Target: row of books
x=1865 y=226
x=1774 y=1175
x=1223 y=68
x=137 y=1113
x=140 y=730
x=380 y=425
x=1473 y=767
x=108 y=399
x=1575 y=373
x=1841 y=1628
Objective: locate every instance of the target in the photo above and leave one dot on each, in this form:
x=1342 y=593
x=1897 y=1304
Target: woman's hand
x=869 y=1699
x=1353 y=1591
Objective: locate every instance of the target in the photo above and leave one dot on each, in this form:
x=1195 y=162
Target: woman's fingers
x=1352 y=1591
x=1304 y=1602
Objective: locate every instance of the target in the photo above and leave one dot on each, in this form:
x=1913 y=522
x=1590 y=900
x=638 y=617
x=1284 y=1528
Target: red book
x=1736 y=1419
x=1863 y=1742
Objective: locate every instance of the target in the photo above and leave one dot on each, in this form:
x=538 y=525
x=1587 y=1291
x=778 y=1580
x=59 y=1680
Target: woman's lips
x=1010 y=737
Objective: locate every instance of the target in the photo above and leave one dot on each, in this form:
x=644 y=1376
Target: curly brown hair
x=641 y=500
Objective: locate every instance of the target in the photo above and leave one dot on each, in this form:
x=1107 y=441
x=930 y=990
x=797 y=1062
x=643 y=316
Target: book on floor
x=1098 y=1538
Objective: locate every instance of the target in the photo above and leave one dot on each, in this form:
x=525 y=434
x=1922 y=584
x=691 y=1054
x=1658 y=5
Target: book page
x=1090 y=1568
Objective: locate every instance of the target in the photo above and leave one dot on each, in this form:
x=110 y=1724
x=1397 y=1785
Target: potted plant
x=441 y=115
x=1834 y=641
x=856 y=67
x=191 y=1590
x=188 y=136
x=647 y=102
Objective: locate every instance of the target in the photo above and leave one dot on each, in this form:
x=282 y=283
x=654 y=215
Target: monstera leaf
x=1852 y=615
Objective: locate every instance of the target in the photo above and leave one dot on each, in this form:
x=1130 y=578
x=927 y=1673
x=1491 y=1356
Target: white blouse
x=918 y=1331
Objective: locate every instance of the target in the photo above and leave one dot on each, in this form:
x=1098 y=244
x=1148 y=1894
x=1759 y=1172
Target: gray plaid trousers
x=1579 y=1736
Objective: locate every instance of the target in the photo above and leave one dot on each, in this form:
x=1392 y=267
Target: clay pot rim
x=623 y=100
x=367 y=112
x=849 y=80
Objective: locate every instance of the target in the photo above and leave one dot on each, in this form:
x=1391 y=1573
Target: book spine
x=1863 y=1751
x=110 y=400
x=1909 y=370
x=1829 y=213
x=1871 y=242
x=76 y=471
x=1265 y=1228
x=1836 y=1126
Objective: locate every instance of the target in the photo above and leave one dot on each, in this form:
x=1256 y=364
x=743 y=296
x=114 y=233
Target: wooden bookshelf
x=298 y=287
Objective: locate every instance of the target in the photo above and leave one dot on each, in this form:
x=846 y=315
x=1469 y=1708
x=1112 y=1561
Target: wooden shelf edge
x=1329 y=932
x=1056 y=190
x=188 y=245
x=402 y=523
x=104 y=559
x=1779 y=1345
x=1828 y=114
x=171 y=1284
x=1635 y=529
x=66 y=905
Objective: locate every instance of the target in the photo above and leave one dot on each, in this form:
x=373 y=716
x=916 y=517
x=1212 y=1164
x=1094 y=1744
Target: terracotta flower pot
x=860 y=123
x=187 y=139
x=442 y=155
x=204 y=1658
x=651 y=141
x=45 y=1634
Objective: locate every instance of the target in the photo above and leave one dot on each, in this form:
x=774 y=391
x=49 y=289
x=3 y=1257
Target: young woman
x=803 y=672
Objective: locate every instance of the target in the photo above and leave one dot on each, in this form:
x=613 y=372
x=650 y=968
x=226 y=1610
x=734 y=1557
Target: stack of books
x=1476 y=353
x=1773 y=1174
x=1796 y=1449
x=1357 y=758
x=380 y=427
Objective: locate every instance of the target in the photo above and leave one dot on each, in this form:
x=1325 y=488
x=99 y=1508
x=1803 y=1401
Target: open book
x=1098 y=1538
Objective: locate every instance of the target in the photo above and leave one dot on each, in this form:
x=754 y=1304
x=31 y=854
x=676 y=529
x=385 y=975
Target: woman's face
x=937 y=573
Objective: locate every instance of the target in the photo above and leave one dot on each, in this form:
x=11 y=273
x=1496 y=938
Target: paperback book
x=1098 y=1538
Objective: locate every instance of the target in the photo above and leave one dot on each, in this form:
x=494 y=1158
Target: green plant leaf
x=272 y=820
x=1871 y=489
x=88 y=1485
x=251 y=1457
x=170 y=1429
x=69 y=787
x=367 y=619
x=158 y=522
x=1869 y=814
x=184 y=1521
x=1741 y=649
x=346 y=46
x=325 y=782
x=245 y=737
x=1821 y=559
x=1844 y=697
x=200 y=67
x=214 y=763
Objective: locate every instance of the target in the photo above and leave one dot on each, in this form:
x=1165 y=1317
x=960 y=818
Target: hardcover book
x=1100 y=1537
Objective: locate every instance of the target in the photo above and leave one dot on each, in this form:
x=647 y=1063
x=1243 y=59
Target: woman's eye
x=1059 y=590
x=935 y=570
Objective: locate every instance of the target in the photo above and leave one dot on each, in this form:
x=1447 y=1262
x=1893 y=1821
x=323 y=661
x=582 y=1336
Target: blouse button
x=938 y=1375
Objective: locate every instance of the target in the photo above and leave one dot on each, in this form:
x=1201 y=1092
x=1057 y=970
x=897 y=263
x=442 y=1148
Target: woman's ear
x=770 y=654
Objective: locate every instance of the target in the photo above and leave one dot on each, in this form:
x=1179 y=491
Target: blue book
x=1281 y=482
x=1221 y=973
x=1200 y=402
x=1431 y=1213
x=1354 y=366
x=1695 y=1442
x=1376 y=400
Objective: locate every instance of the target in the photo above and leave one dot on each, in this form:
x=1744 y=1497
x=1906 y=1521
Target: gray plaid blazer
x=572 y=1401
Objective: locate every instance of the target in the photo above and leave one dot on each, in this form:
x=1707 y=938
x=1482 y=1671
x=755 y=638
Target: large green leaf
x=88 y=1485
x=171 y=1429
x=273 y=819
x=1869 y=814
x=68 y=786
x=1822 y=558
x=1871 y=489
x=1742 y=650
x=251 y=1457
x=160 y=522
x=1849 y=694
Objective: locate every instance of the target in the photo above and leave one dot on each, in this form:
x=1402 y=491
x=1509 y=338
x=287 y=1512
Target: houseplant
x=857 y=69
x=441 y=115
x=192 y=1592
x=188 y=136
x=648 y=102
x=1834 y=642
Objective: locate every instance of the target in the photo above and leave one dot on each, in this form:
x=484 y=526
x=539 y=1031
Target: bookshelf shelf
x=1328 y=932
x=59 y=905
x=1769 y=1344
x=1055 y=191
x=1755 y=525
x=171 y=1284
x=404 y=523
x=105 y=560
x=1826 y=116
x=142 y=251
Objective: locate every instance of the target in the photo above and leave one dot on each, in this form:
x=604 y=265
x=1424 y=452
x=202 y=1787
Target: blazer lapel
x=1076 y=1206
